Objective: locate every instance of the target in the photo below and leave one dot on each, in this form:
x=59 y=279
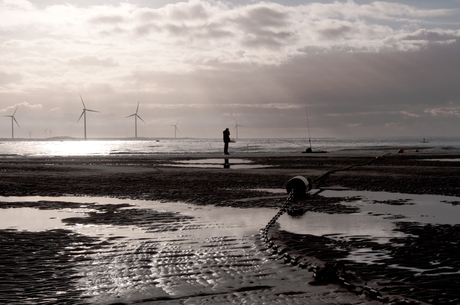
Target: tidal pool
x=212 y=257
x=205 y=254
x=219 y=163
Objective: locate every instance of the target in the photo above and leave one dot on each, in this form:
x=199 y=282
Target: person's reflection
x=226 y=164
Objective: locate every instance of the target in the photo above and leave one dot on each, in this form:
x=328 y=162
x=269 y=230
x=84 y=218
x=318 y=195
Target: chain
x=283 y=209
x=330 y=271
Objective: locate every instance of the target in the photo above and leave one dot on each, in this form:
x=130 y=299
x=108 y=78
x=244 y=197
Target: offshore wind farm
x=84 y=115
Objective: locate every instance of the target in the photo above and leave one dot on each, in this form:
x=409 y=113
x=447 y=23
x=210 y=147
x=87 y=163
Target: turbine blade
x=130 y=115
x=84 y=107
x=137 y=109
x=15 y=110
x=16 y=121
x=79 y=117
x=92 y=110
x=140 y=118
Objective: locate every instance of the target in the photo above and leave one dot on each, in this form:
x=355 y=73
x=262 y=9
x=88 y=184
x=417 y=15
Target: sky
x=277 y=69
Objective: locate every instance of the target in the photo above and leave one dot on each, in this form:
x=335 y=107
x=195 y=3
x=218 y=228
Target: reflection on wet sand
x=196 y=255
x=217 y=163
x=128 y=251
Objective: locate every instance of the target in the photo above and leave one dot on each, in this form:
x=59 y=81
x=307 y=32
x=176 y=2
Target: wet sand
x=61 y=265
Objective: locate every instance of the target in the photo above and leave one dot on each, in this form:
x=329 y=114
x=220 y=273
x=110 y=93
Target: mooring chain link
x=283 y=209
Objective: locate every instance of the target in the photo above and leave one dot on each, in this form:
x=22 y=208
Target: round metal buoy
x=300 y=184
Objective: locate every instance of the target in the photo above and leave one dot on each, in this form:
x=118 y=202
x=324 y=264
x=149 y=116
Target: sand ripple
x=177 y=260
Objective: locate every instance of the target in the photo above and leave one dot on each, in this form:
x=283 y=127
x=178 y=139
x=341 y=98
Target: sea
x=134 y=147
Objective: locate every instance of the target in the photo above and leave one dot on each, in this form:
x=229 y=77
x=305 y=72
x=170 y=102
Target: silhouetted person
x=226 y=140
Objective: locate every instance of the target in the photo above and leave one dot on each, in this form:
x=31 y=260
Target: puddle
x=213 y=258
x=31 y=219
x=218 y=220
x=372 y=218
x=219 y=163
x=214 y=161
x=213 y=254
x=426 y=209
x=341 y=226
x=447 y=160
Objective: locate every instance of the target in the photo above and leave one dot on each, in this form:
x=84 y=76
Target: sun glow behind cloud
x=260 y=61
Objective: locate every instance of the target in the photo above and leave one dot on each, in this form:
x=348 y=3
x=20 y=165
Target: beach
x=53 y=266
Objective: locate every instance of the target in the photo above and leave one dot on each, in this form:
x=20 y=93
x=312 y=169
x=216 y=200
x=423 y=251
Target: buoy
x=379 y=158
x=400 y=151
x=300 y=184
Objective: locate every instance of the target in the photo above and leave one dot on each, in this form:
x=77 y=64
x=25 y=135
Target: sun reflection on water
x=77 y=148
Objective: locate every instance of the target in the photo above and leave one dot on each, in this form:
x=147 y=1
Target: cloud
x=406 y=113
x=356 y=65
x=89 y=60
x=444 y=112
x=22 y=105
x=107 y=19
x=21 y=5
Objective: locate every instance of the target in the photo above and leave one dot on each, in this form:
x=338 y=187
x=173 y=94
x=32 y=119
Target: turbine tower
x=13 y=119
x=175 y=129
x=136 y=116
x=236 y=127
x=84 y=114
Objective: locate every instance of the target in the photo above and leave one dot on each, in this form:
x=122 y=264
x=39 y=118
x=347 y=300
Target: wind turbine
x=175 y=129
x=45 y=132
x=236 y=127
x=135 y=115
x=84 y=113
x=13 y=119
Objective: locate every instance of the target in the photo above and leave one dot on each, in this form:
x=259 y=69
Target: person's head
x=226 y=128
